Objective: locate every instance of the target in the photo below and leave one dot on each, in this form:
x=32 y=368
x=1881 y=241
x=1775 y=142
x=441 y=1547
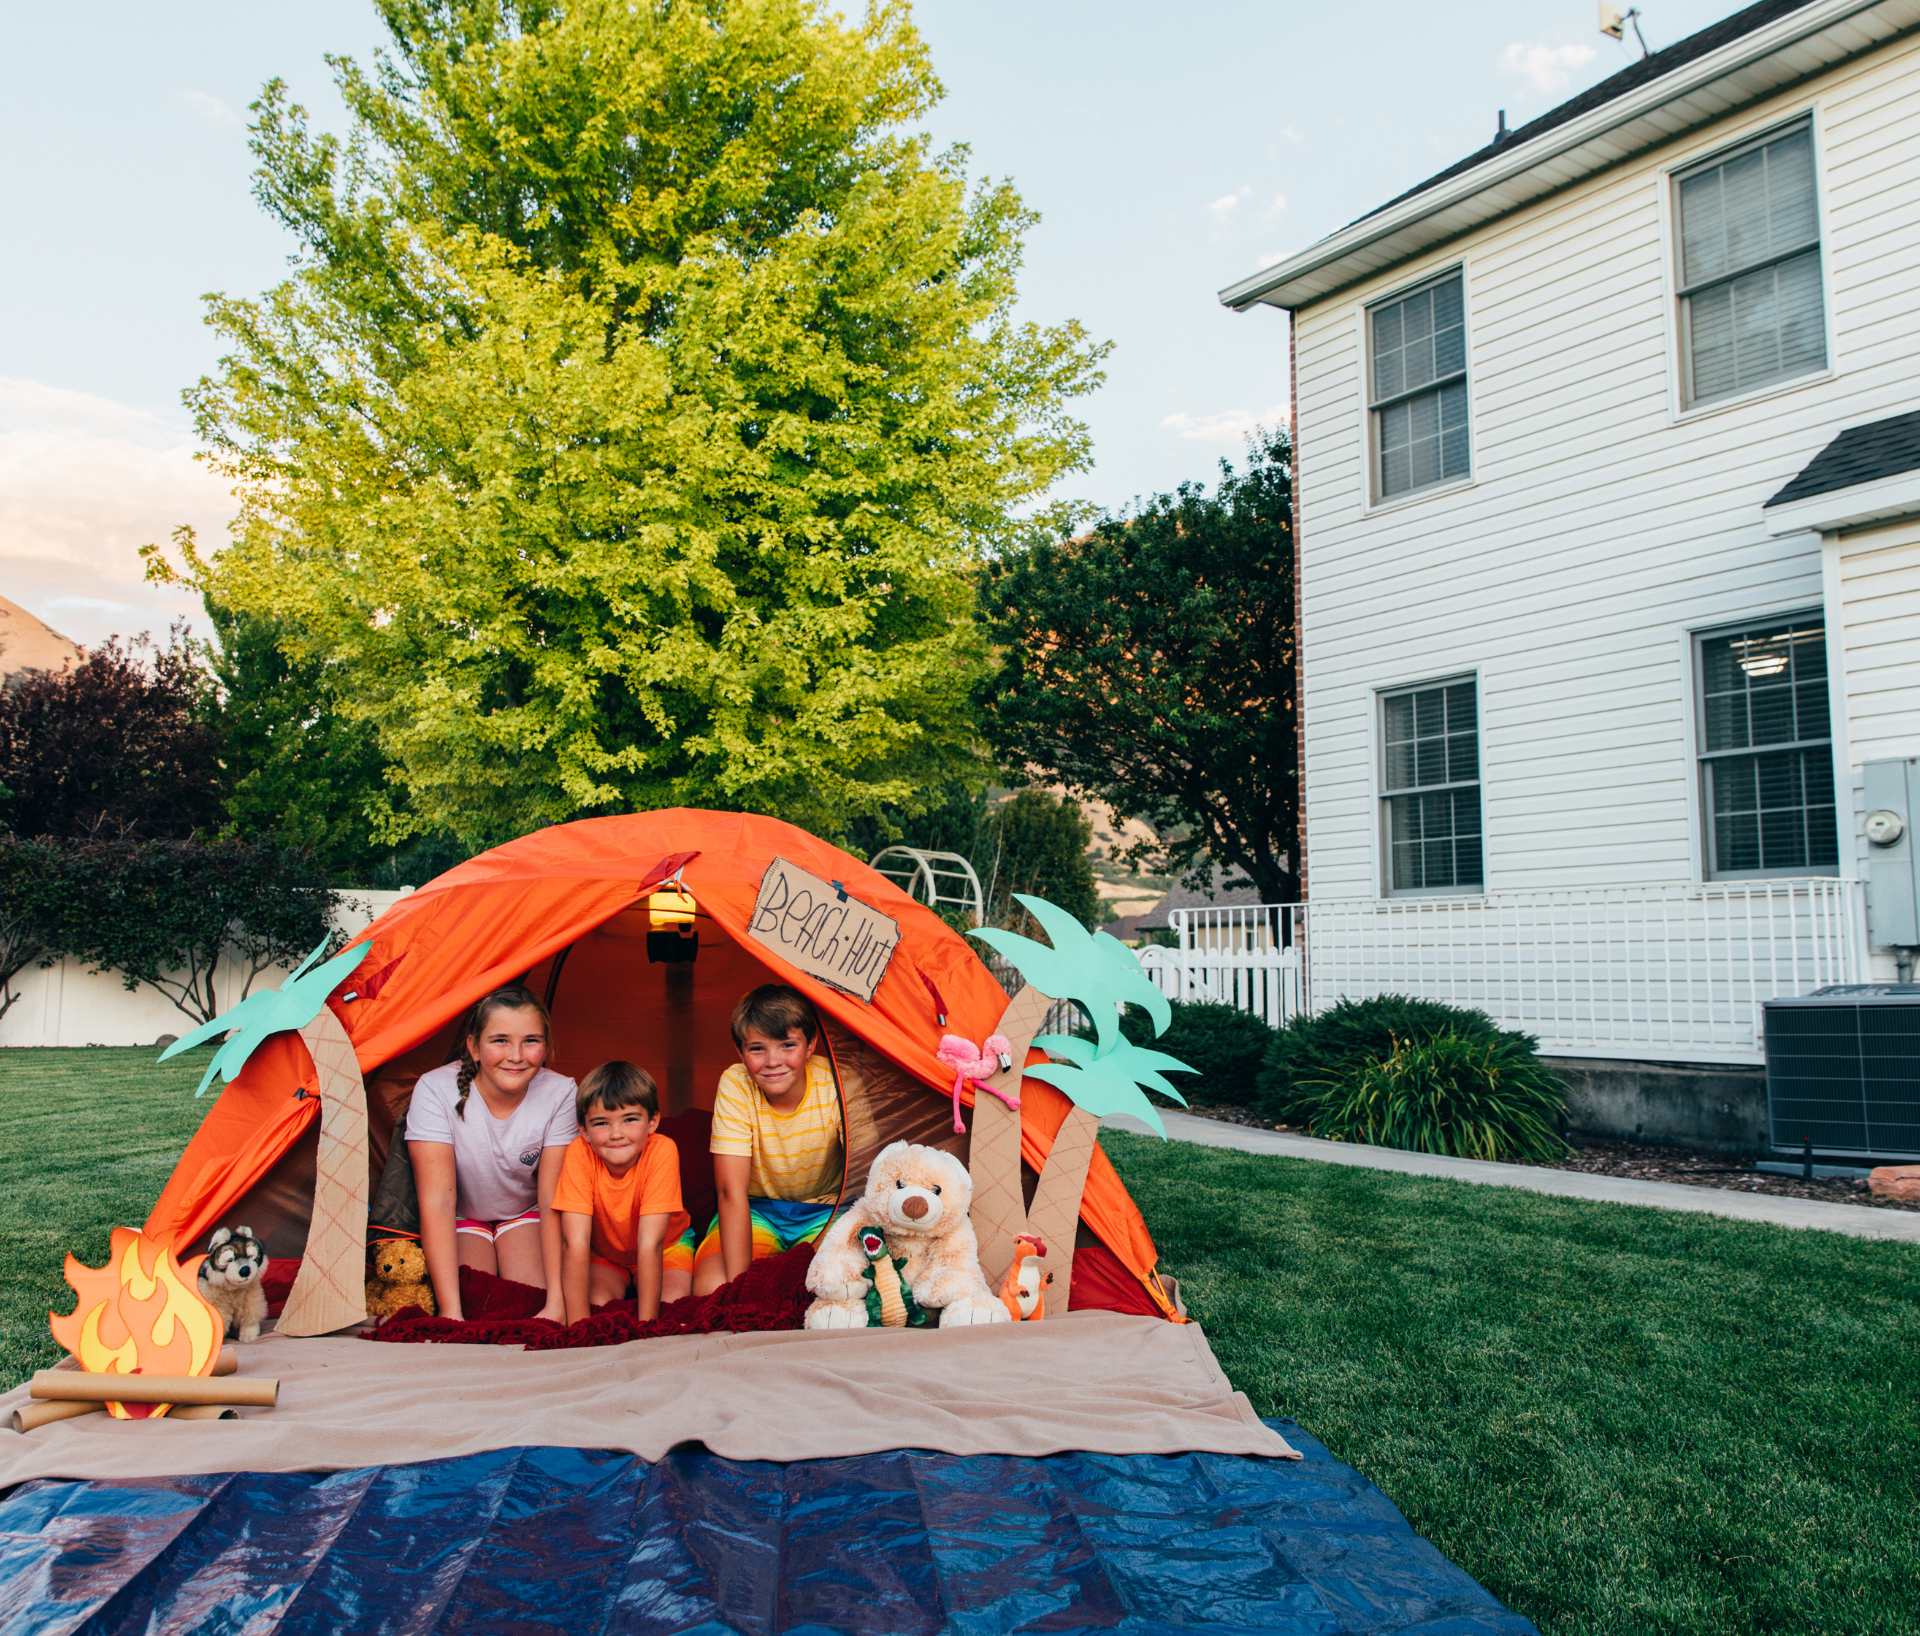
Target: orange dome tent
x=568 y=910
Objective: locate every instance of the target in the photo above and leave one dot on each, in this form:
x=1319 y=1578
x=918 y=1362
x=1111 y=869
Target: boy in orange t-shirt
x=618 y=1196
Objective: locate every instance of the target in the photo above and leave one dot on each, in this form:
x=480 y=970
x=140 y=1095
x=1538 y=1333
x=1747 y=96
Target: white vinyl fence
x=1264 y=981
x=66 y=1004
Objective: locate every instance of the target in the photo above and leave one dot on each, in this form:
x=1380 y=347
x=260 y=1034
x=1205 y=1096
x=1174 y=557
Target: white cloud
x=1227 y=203
x=1550 y=67
x=1273 y=258
x=1291 y=134
x=84 y=483
x=212 y=111
x=1229 y=426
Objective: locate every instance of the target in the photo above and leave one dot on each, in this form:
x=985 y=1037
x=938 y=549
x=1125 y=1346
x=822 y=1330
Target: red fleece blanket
x=771 y=1294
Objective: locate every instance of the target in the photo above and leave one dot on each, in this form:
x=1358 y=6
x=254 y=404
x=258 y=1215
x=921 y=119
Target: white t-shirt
x=496 y=1162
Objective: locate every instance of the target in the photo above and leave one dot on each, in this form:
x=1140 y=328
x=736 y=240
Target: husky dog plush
x=230 y=1280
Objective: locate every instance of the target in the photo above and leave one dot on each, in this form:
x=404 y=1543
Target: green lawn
x=1618 y=1420
x=88 y=1137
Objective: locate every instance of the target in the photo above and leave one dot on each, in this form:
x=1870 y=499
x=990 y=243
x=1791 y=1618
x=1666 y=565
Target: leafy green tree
x=636 y=420
x=1037 y=844
x=1150 y=663
x=297 y=767
x=30 y=908
x=166 y=913
x=128 y=740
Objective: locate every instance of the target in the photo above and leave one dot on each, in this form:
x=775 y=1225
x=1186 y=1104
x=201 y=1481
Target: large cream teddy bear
x=917 y=1197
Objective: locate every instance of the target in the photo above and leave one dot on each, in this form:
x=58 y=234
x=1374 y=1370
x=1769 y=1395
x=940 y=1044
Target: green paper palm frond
x=293 y=1005
x=1104 y=1082
x=1097 y=972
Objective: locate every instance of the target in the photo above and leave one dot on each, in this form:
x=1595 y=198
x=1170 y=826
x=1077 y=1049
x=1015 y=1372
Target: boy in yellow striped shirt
x=778 y=1149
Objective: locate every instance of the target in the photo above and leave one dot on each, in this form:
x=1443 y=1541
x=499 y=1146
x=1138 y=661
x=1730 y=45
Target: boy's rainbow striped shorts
x=778 y=1224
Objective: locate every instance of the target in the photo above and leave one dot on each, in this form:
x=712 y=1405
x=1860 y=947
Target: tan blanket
x=1090 y=1380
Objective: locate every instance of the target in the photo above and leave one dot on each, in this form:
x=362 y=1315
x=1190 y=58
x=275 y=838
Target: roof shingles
x=1724 y=32
x=1860 y=454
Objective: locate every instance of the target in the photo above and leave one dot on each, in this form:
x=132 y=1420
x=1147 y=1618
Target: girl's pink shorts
x=491 y=1230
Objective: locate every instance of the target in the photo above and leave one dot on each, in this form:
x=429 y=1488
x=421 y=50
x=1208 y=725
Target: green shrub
x=1475 y=1098
x=1223 y=1042
x=1336 y=1043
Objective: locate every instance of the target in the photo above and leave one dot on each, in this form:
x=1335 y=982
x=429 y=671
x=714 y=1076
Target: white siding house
x=1579 y=705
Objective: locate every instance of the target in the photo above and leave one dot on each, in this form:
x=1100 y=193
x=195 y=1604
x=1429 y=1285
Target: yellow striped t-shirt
x=796 y=1156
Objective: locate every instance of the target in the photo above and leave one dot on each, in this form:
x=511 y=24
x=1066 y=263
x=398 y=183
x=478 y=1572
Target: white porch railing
x=1243 y=926
x=1264 y=981
x=1658 y=971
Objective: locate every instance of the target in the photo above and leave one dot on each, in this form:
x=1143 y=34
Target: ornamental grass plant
x=1474 y=1098
x=1337 y=1043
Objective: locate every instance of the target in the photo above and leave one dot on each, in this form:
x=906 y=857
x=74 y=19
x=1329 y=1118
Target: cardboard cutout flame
x=142 y=1313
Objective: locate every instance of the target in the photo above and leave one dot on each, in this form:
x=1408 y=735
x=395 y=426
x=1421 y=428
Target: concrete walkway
x=1857 y=1220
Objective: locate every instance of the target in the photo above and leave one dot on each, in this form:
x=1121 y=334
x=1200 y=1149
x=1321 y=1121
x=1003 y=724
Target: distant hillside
x=27 y=644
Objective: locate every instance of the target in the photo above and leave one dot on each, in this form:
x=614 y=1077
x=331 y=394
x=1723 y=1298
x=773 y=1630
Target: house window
x=1750 y=268
x=1767 y=762
x=1430 y=785
x=1419 y=396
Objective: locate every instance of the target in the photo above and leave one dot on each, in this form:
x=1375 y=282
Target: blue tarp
x=896 y=1544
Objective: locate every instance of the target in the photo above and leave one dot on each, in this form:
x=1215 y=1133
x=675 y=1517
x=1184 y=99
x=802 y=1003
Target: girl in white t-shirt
x=486 y=1136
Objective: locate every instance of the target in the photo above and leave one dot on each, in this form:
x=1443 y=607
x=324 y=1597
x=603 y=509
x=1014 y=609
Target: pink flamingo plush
x=974 y=1066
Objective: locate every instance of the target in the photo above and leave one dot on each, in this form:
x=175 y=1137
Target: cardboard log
x=330 y=1291
x=1055 y=1216
x=999 y=1210
x=44 y=1414
x=31 y=1415
x=34 y=1415
x=79 y=1386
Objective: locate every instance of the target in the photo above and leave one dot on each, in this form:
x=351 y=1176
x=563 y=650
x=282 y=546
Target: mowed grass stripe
x=1617 y=1419
x=88 y=1137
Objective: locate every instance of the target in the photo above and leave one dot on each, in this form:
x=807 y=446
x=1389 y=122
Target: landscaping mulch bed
x=1651 y=1162
x=1644 y=1161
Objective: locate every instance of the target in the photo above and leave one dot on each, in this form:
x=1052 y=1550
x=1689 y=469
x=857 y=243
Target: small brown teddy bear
x=399 y=1279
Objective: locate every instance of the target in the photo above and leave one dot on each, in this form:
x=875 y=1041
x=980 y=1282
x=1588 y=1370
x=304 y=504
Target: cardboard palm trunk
x=1000 y=1212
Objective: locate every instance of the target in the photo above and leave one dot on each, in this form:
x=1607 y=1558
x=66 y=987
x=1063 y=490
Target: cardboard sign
x=819 y=926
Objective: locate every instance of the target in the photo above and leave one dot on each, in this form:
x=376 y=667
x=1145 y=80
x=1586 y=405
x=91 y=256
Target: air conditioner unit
x=1843 y=1068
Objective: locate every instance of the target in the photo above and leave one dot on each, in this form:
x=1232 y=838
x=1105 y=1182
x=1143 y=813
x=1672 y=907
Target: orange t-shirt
x=616 y=1203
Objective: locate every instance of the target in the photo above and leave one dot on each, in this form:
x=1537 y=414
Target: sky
x=1169 y=151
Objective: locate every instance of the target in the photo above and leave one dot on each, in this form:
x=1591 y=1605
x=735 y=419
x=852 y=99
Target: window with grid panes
x=1750 y=268
x=1430 y=785
x=1419 y=388
x=1767 y=757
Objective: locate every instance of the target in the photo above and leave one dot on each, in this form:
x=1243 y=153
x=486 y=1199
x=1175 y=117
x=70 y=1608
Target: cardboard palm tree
x=330 y=1291
x=1099 y=1076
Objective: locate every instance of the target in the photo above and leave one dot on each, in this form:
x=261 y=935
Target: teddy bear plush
x=230 y=1280
x=917 y=1199
x=399 y=1279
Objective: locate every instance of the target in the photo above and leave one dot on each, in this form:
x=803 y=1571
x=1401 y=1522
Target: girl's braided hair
x=514 y=997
